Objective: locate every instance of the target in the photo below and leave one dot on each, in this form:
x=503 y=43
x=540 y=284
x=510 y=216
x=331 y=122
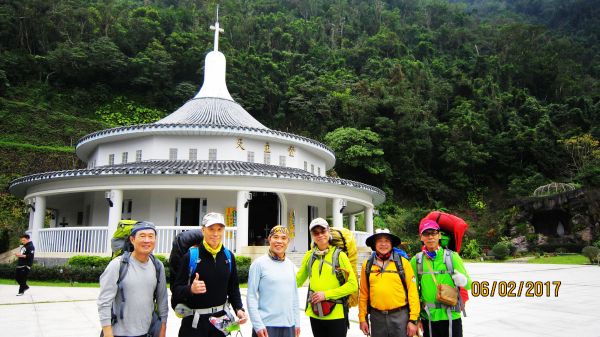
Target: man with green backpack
x=133 y=299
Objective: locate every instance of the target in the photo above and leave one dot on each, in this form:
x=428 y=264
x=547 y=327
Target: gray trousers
x=274 y=331
x=390 y=325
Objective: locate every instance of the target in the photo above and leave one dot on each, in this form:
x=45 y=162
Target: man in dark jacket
x=25 y=260
x=213 y=285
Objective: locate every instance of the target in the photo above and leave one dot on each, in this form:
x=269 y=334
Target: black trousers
x=205 y=328
x=328 y=328
x=440 y=328
x=21 y=277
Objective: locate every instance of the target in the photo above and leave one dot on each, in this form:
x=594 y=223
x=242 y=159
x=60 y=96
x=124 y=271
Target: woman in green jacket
x=326 y=291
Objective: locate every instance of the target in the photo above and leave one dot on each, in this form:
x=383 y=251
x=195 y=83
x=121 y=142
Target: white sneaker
x=20 y=294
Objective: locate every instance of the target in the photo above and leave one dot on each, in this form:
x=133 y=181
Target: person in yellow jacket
x=389 y=297
x=331 y=281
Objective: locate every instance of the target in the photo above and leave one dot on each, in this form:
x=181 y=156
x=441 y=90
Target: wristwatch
x=413 y=321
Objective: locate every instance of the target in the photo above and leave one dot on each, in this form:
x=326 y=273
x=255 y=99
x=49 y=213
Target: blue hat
x=142 y=225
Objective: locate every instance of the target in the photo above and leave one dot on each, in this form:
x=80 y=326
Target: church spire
x=214 y=70
x=217 y=30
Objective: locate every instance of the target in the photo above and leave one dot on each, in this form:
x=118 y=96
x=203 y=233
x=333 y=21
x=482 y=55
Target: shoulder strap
x=335 y=259
x=401 y=273
x=157 y=266
x=193 y=262
x=123 y=267
x=310 y=263
x=448 y=261
x=368 y=267
x=228 y=258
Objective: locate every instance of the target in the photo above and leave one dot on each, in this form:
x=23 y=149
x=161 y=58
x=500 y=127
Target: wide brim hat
x=379 y=232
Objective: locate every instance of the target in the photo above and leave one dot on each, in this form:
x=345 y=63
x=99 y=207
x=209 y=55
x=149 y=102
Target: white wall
x=300 y=204
x=157 y=147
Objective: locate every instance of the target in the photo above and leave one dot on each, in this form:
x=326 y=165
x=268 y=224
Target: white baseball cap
x=213 y=218
x=318 y=222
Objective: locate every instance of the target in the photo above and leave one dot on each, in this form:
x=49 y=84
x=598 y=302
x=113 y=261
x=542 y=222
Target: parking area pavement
x=572 y=309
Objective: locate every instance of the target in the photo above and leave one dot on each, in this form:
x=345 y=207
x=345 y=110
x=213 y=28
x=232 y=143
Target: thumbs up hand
x=198 y=286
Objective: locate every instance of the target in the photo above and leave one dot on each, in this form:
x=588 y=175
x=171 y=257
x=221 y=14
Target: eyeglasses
x=318 y=232
x=430 y=233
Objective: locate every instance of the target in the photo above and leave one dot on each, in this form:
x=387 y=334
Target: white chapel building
x=210 y=155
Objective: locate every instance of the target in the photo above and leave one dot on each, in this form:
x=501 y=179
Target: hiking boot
x=20 y=294
x=26 y=288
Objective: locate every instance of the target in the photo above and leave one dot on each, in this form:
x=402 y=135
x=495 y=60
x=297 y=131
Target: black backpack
x=181 y=244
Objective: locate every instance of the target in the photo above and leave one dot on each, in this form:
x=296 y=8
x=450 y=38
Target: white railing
x=360 y=238
x=166 y=234
x=72 y=240
x=94 y=239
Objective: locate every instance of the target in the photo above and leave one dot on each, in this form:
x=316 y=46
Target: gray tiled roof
x=212 y=111
x=185 y=167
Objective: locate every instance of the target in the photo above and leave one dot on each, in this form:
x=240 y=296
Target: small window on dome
x=251 y=156
x=111 y=159
x=282 y=161
x=305 y=166
x=124 y=156
x=319 y=171
x=312 y=168
x=267 y=158
x=172 y=154
x=212 y=154
x=138 y=155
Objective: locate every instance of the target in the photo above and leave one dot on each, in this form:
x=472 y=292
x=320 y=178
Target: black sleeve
x=29 y=251
x=233 y=289
x=180 y=289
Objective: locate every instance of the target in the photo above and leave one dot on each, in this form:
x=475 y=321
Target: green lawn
x=50 y=283
x=561 y=259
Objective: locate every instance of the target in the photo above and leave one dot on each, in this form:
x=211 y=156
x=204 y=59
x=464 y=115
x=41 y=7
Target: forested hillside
x=462 y=105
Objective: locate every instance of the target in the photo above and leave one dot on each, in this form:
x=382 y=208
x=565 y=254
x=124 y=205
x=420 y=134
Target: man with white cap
x=213 y=284
x=388 y=291
x=438 y=266
x=331 y=280
x=129 y=287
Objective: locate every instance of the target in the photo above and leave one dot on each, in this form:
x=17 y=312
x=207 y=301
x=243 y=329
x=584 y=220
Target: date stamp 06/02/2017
x=515 y=288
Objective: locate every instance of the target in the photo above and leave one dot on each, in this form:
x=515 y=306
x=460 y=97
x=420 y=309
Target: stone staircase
x=9 y=256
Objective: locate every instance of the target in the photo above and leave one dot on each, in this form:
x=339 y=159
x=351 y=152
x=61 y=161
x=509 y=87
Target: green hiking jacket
x=327 y=282
x=427 y=287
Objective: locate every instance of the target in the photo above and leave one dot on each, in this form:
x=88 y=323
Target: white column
x=369 y=219
x=283 y=210
x=39 y=216
x=241 y=236
x=352 y=222
x=114 y=214
x=338 y=218
x=31 y=217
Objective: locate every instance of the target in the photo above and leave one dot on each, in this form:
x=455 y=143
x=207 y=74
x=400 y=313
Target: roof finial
x=217 y=30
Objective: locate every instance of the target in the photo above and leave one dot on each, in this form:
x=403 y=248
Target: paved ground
x=65 y=312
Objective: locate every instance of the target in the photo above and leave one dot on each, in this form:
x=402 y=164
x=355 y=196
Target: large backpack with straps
x=119 y=242
x=343 y=239
x=397 y=256
x=189 y=241
x=450 y=224
x=449 y=270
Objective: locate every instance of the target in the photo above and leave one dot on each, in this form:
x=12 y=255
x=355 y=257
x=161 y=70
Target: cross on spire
x=217 y=30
